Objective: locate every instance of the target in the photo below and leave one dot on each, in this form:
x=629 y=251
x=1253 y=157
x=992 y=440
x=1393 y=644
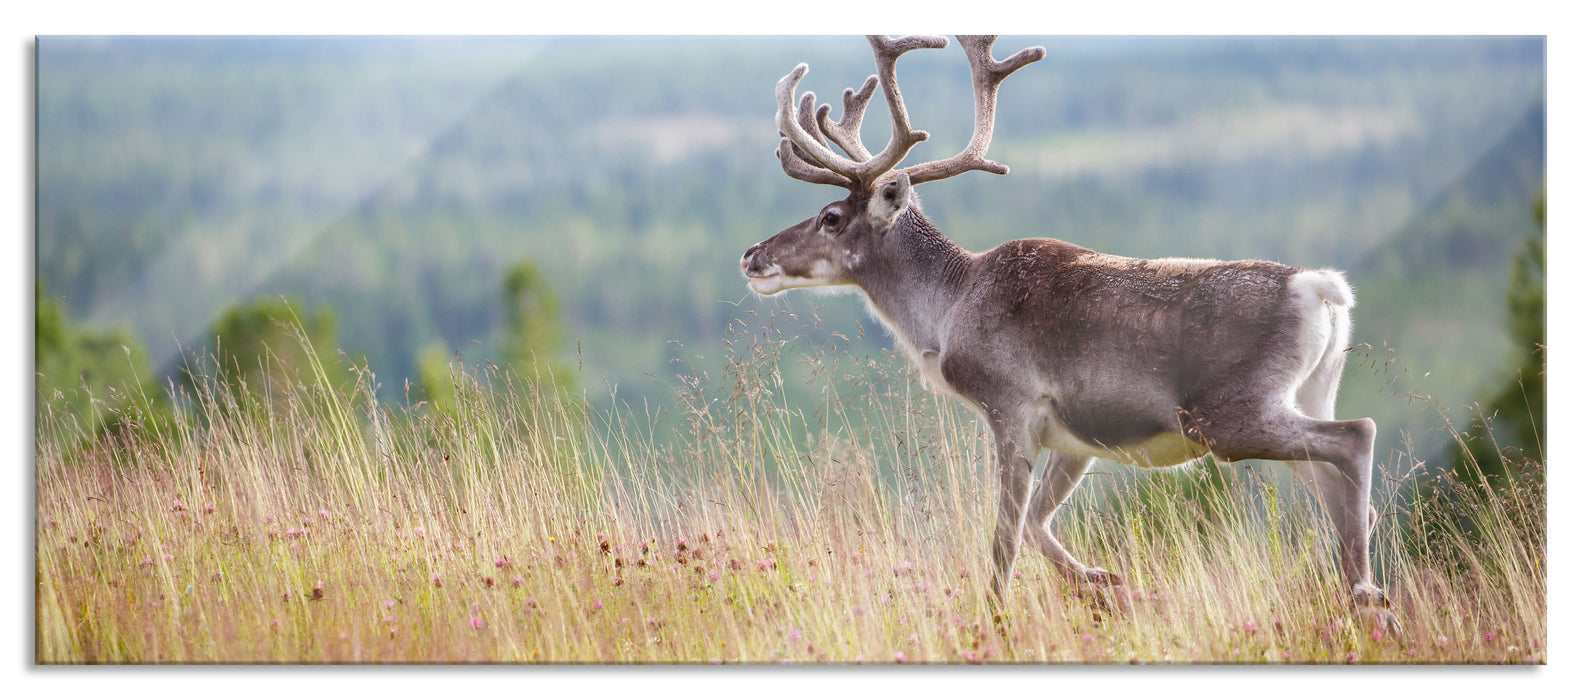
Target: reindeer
x=1144 y=362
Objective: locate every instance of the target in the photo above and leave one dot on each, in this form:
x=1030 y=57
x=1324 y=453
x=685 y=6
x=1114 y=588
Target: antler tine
x=902 y=138
x=987 y=74
x=847 y=133
x=798 y=167
x=807 y=143
x=805 y=117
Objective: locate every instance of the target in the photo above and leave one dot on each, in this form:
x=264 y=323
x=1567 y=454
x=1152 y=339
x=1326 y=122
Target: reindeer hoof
x=1371 y=602
x=1386 y=620
x=1367 y=595
x=1103 y=578
x=1094 y=588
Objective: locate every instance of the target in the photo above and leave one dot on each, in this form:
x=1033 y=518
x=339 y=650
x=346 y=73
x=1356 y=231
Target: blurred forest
x=582 y=202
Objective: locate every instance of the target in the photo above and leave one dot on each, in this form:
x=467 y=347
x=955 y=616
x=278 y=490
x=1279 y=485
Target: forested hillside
x=398 y=181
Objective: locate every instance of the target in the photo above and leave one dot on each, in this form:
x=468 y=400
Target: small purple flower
x=1351 y=657
x=1488 y=637
x=1377 y=635
x=714 y=575
x=477 y=623
x=598 y=605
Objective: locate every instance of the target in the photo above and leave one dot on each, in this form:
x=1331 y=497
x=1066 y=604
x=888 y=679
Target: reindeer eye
x=831 y=218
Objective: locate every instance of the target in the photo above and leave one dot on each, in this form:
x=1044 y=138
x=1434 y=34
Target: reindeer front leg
x=1016 y=451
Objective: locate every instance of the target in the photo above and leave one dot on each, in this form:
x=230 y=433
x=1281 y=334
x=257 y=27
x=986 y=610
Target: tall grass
x=308 y=522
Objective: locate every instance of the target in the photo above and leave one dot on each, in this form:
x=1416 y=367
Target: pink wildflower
x=714 y=575
x=324 y=513
x=900 y=657
x=477 y=623
x=1377 y=635
x=1087 y=638
x=389 y=604
x=516 y=581
x=1488 y=637
x=1351 y=657
x=435 y=579
x=598 y=605
x=1250 y=626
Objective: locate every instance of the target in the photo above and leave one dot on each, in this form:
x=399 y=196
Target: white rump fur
x=1323 y=302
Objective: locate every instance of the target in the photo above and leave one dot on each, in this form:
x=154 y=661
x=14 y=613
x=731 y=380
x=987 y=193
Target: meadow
x=305 y=521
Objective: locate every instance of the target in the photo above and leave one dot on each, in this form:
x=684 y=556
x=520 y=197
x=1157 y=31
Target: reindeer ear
x=892 y=198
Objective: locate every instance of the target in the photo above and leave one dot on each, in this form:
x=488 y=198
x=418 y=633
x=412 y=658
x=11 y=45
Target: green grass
x=315 y=525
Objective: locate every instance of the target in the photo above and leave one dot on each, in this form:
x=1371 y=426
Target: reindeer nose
x=749 y=256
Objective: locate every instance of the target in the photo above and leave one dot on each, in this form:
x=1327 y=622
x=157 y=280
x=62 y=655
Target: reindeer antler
x=987 y=74
x=805 y=156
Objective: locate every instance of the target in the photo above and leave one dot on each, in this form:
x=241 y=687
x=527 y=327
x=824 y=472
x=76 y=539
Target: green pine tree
x=1512 y=429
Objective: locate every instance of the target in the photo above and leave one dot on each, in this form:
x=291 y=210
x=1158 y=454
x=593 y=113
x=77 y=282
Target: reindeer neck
x=916 y=281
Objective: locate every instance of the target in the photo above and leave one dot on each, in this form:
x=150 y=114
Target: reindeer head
x=830 y=248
